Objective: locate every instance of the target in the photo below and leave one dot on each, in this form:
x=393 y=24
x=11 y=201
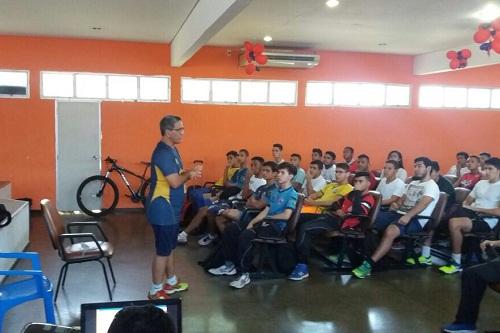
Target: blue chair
x=36 y=286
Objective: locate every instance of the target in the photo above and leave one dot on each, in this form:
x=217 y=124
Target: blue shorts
x=412 y=227
x=165 y=238
x=160 y=211
x=386 y=218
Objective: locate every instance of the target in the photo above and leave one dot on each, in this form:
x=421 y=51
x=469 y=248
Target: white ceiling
x=405 y=26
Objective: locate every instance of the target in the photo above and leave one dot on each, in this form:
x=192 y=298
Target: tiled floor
x=391 y=301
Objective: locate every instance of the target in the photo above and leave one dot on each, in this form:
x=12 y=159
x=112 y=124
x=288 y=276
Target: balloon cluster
x=458 y=59
x=254 y=54
x=488 y=35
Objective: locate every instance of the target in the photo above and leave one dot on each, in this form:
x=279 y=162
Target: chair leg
x=59 y=280
x=64 y=276
x=106 y=278
x=111 y=270
x=49 y=308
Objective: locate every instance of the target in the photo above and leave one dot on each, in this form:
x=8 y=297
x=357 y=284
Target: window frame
x=28 y=88
x=466 y=108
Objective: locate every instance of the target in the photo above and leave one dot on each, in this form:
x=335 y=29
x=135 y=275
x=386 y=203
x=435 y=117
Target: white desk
x=15 y=236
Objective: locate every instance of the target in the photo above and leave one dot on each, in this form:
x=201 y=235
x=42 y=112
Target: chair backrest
x=53 y=221
x=294 y=219
x=48 y=328
x=460 y=194
x=438 y=212
x=376 y=207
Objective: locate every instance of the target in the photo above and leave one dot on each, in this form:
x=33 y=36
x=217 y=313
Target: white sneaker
x=223 y=270
x=182 y=238
x=207 y=239
x=240 y=282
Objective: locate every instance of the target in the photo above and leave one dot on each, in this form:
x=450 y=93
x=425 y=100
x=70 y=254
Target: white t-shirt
x=387 y=190
x=486 y=195
x=402 y=174
x=414 y=191
x=253 y=184
x=329 y=174
x=317 y=184
x=453 y=170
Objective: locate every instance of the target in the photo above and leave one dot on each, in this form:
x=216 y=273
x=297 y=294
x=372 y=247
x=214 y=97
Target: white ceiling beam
x=204 y=21
x=436 y=62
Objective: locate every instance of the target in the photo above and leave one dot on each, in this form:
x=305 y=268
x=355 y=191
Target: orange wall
x=130 y=130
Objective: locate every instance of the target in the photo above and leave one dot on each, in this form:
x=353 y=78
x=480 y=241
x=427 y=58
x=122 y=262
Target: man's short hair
x=278 y=145
x=343 y=166
x=331 y=153
x=475 y=157
x=292 y=170
x=259 y=159
x=349 y=148
x=273 y=165
x=168 y=123
x=198 y=162
x=142 y=319
x=318 y=163
x=244 y=151
x=394 y=163
x=296 y=155
x=318 y=151
x=427 y=161
x=488 y=155
x=435 y=166
x=364 y=156
x=362 y=174
x=494 y=162
x=463 y=154
x=232 y=153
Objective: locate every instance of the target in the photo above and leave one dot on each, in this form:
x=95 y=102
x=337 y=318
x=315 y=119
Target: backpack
x=5 y=216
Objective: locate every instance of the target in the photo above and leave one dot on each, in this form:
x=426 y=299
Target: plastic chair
x=36 y=286
x=48 y=328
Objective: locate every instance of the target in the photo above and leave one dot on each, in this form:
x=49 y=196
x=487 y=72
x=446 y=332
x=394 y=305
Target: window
x=14 y=84
x=495 y=98
x=356 y=94
x=455 y=97
x=478 y=98
x=431 y=96
x=223 y=91
x=458 y=97
x=105 y=86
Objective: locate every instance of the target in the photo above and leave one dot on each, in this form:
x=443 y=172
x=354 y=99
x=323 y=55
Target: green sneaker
x=363 y=271
x=451 y=268
x=426 y=261
x=335 y=258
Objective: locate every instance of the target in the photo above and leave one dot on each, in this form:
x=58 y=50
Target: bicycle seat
x=146 y=163
x=110 y=160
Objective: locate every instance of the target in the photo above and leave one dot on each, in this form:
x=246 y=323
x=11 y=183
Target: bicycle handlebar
x=110 y=160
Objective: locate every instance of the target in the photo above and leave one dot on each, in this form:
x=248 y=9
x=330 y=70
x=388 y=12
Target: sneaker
x=223 y=270
x=160 y=294
x=182 y=238
x=240 y=282
x=335 y=259
x=425 y=261
x=171 y=289
x=459 y=328
x=363 y=271
x=207 y=239
x=451 y=268
x=300 y=272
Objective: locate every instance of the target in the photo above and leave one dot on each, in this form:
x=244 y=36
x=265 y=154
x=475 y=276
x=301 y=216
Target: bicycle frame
x=122 y=171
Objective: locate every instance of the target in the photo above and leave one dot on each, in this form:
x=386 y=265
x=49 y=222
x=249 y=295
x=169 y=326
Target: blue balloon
x=485 y=46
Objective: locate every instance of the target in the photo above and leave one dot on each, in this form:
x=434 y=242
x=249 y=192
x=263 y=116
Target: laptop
x=97 y=317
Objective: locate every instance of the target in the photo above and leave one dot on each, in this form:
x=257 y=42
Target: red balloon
x=248 y=46
x=249 y=69
x=261 y=59
x=466 y=53
x=495 y=46
x=451 y=55
x=247 y=56
x=454 y=64
x=258 y=48
x=496 y=24
x=482 y=35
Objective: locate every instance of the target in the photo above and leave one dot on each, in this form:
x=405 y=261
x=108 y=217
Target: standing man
x=164 y=203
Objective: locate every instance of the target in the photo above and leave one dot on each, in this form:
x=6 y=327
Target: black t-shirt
x=446 y=187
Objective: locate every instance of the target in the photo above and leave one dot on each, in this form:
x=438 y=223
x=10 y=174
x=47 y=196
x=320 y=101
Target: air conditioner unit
x=286 y=58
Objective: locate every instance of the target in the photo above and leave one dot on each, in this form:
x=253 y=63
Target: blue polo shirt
x=263 y=191
x=280 y=199
x=238 y=179
x=164 y=203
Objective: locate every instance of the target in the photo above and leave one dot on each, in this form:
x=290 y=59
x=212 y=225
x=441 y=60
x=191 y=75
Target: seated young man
x=300 y=178
x=475 y=280
x=358 y=202
x=483 y=156
x=484 y=199
x=278 y=153
x=270 y=222
x=328 y=171
x=460 y=168
x=420 y=198
x=363 y=165
x=317 y=154
x=348 y=154
x=314 y=180
x=142 y=319
x=391 y=188
x=331 y=193
x=470 y=179
x=252 y=181
x=257 y=200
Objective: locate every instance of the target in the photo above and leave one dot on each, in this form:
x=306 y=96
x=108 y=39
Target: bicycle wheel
x=145 y=191
x=97 y=196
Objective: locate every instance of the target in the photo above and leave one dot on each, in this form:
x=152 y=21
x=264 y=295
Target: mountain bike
x=98 y=195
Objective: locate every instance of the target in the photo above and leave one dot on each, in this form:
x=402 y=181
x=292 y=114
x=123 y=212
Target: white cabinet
x=5 y=190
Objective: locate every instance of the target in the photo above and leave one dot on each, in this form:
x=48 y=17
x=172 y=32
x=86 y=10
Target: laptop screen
x=97 y=317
